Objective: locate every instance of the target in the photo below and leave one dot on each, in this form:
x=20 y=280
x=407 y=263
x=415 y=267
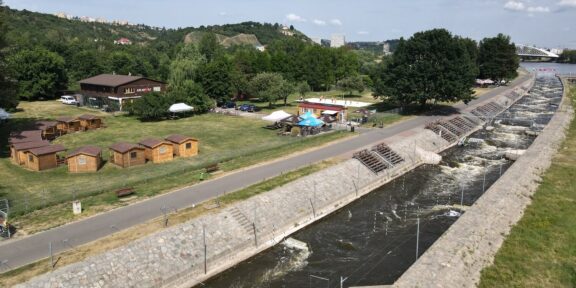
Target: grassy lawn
x=123 y=237
x=541 y=249
x=232 y=141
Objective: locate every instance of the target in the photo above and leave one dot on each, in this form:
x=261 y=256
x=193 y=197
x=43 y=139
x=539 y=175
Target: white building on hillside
x=338 y=40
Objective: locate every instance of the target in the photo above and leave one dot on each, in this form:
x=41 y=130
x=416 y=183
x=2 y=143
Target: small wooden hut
x=43 y=158
x=89 y=121
x=127 y=155
x=25 y=136
x=85 y=159
x=184 y=146
x=67 y=125
x=18 y=150
x=157 y=150
x=48 y=128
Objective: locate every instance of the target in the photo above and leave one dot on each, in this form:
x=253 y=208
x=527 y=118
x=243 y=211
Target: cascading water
x=372 y=241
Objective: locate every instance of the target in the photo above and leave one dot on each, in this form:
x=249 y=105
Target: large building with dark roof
x=105 y=88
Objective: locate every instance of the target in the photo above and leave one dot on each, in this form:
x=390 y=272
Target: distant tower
x=338 y=40
x=386 y=48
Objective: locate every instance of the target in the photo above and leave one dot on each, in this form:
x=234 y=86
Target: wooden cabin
x=18 y=150
x=43 y=158
x=89 y=121
x=127 y=155
x=157 y=150
x=85 y=159
x=184 y=146
x=25 y=136
x=48 y=128
x=67 y=125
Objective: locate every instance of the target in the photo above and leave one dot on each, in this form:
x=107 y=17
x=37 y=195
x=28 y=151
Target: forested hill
x=26 y=28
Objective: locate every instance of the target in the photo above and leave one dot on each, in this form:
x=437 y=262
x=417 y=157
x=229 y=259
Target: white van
x=67 y=99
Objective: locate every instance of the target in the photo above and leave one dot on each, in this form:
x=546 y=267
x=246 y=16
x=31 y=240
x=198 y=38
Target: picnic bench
x=125 y=191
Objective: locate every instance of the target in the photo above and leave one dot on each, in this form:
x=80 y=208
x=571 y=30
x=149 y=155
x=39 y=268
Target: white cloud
x=568 y=3
x=295 y=18
x=540 y=9
x=515 y=6
x=363 y=32
x=521 y=7
x=336 y=22
x=319 y=22
x=223 y=13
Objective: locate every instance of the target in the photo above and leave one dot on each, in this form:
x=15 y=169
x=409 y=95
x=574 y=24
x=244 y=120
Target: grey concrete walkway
x=18 y=252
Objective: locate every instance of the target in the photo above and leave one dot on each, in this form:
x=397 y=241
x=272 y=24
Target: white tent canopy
x=484 y=81
x=276 y=116
x=180 y=107
x=329 y=112
x=4 y=115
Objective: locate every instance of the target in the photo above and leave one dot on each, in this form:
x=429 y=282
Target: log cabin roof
x=47 y=150
x=179 y=139
x=86 y=150
x=124 y=147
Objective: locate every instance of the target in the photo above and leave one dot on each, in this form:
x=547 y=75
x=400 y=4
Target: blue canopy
x=307 y=115
x=312 y=122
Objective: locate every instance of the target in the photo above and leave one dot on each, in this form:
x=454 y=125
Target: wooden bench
x=212 y=168
x=125 y=191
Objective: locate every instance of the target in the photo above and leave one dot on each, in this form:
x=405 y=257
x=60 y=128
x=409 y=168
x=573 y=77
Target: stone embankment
x=457 y=258
x=188 y=253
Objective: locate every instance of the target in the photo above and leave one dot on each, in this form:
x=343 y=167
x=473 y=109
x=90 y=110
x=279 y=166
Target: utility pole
x=51 y=255
x=417 y=236
x=342 y=279
x=205 y=250
x=484 y=180
x=462 y=196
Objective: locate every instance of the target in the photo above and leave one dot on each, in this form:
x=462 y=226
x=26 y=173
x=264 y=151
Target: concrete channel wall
x=188 y=253
x=457 y=258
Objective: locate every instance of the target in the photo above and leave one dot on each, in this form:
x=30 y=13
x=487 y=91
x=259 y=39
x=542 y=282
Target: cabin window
x=133 y=155
x=129 y=90
x=188 y=146
x=81 y=160
x=157 y=89
x=30 y=158
x=162 y=149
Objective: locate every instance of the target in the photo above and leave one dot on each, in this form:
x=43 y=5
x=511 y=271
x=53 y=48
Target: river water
x=372 y=241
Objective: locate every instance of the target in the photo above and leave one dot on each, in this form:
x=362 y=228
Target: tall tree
x=351 y=84
x=152 y=106
x=210 y=47
x=345 y=63
x=8 y=96
x=430 y=66
x=182 y=80
x=303 y=88
x=39 y=72
x=270 y=87
x=317 y=67
x=216 y=79
x=497 y=58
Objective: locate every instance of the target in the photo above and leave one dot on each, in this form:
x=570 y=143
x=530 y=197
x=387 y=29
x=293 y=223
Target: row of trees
x=435 y=66
x=205 y=74
x=567 y=56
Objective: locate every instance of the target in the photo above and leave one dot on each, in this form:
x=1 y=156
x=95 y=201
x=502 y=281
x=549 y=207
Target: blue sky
x=545 y=23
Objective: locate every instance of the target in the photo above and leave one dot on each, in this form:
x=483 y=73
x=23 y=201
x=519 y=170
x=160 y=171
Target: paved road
x=18 y=252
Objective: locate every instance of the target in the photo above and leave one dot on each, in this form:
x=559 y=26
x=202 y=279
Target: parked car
x=230 y=104
x=247 y=108
x=69 y=100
